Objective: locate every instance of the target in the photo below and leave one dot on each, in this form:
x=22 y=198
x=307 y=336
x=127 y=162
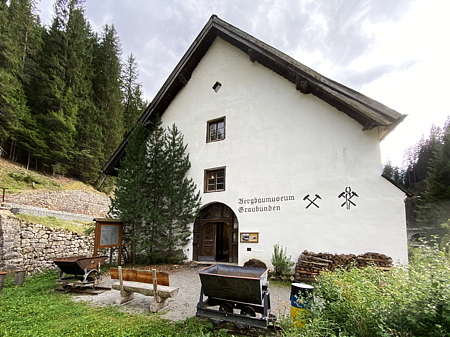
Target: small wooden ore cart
x=239 y=294
x=84 y=271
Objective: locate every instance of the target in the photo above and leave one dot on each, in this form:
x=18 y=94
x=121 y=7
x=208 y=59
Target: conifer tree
x=88 y=149
x=18 y=31
x=132 y=94
x=107 y=93
x=393 y=172
x=182 y=201
x=434 y=208
x=129 y=196
x=58 y=85
x=155 y=197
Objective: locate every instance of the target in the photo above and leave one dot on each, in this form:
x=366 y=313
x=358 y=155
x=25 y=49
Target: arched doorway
x=216 y=234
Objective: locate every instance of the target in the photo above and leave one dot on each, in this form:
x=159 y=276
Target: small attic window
x=216 y=87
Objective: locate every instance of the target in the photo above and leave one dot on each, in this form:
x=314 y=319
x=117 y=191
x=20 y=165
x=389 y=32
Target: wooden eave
x=369 y=113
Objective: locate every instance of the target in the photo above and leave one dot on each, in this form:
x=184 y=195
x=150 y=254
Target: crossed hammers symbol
x=311 y=202
x=349 y=194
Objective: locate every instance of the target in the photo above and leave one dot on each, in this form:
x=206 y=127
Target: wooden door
x=208 y=242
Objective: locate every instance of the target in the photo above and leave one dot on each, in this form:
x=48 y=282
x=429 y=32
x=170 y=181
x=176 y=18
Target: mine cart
x=235 y=294
x=79 y=271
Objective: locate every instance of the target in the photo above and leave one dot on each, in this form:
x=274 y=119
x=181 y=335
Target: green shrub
x=411 y=300
x=281 y=263
x=24 y=177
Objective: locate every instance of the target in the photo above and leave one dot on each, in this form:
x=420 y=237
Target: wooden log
x=315 y=258
x=370 y=259
x=144 y=276
x=316 y=263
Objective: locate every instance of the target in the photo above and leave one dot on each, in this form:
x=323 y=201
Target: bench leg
x=125 y=296
x=156 y=306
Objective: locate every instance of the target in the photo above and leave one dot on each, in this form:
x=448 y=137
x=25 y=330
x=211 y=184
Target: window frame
x=208 y=129
x=206 y=178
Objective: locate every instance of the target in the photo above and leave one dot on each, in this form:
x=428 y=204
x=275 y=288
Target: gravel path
x=184 y=304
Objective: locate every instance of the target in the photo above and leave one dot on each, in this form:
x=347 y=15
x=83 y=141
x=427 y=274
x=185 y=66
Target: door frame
x=219 y=215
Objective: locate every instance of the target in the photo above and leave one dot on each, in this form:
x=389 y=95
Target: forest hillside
x=67 y=95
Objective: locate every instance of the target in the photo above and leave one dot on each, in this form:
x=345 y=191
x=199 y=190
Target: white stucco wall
x=280 y=142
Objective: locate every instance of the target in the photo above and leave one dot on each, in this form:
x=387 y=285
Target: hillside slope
x=33 y=189
x=17 y=179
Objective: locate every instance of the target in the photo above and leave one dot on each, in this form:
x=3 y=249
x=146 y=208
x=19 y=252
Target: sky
x=394 y=51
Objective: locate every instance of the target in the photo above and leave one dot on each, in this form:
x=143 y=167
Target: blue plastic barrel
x=301 y=299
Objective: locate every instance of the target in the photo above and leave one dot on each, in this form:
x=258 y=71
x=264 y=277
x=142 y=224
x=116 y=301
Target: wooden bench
x=145 y=282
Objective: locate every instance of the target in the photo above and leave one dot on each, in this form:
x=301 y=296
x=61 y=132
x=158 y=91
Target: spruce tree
x=182 y=201
x=434 y=208
x=17 y=22
x=133 y=104
x=88 y=149
x=107 y=93
x=155 y=197
x=131 y=189
x=394 y=173
x=56 y=99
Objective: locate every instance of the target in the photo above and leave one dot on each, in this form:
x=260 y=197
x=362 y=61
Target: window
x=216 y=87
x=216 y=130
x=215 y=180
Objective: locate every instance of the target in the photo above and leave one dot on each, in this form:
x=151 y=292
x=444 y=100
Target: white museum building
x=280 y=154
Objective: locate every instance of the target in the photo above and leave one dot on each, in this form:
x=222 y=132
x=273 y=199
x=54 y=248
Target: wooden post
x=155 y=286
x=119 y=256
x=120 y=280
x=125 y=296
x=3 y=194
x=158 y=303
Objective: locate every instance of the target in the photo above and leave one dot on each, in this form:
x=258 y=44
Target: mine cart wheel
x=248 y=311
x=226 y=306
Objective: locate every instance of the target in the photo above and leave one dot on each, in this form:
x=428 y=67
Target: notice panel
x=108 y=233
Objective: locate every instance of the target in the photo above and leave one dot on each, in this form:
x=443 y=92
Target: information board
x=108 y=233
x=109 y=236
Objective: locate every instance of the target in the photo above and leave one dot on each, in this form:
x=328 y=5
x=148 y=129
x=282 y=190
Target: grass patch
x=35 y=309
x=78 y=227
x=17 y=179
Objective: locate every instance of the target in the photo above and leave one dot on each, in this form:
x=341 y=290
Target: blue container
x=301 y=299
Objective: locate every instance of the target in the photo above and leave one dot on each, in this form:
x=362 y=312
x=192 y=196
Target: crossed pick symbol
x=348 y=194
x=311 y=202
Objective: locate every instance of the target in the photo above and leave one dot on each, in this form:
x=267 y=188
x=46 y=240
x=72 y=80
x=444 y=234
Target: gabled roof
x=368 y=112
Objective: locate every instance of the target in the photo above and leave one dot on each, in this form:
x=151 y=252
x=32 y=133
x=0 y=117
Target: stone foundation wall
x=32 y=247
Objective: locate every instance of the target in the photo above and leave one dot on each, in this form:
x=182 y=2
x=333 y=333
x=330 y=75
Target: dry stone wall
x=76 y=201
x=32 y=247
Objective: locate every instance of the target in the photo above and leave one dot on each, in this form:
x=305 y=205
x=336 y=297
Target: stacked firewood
x=310 y=264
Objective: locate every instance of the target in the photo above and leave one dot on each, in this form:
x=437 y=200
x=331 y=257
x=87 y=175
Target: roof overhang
x=368 y=112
